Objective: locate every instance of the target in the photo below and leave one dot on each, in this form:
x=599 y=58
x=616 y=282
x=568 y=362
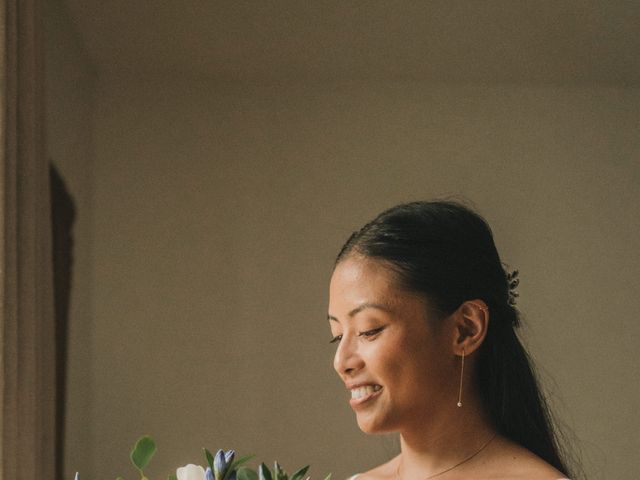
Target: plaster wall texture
x=218 y=212
x=209 y=215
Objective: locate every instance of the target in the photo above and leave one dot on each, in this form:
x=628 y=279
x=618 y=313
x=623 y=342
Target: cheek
x=417 y=365
x=400 y=362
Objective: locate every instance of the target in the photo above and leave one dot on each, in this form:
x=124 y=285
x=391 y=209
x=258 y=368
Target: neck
x=432 y=445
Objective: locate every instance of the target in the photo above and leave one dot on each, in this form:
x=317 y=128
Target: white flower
x=190 y=472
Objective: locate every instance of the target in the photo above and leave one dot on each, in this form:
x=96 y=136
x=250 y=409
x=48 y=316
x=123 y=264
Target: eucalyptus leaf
x=299 y=475
x=172 y=477
x=246 y=473
x=143 y=452
x=328 y=477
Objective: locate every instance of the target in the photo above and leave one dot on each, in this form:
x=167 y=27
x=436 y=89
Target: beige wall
x=69 y=87
x=219 y=209
x=209 y=216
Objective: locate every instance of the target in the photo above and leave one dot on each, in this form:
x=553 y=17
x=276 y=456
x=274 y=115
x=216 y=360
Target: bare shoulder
x=507 y=461
x=511 y=461
x=386 y=471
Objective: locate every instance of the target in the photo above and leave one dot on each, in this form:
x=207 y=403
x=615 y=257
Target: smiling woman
x=423 y=317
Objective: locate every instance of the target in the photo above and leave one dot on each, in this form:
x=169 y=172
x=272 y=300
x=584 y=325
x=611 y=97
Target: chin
x=374 y=426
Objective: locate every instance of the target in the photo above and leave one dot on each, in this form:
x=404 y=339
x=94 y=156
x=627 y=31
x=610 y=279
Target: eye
x=336 y=339
x=371 y=333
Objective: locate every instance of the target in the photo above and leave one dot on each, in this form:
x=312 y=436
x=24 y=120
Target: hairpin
x=512 y=282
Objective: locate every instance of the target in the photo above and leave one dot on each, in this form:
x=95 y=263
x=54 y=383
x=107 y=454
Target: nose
x=347 y=359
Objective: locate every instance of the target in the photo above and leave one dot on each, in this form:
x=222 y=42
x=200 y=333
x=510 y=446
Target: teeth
x=364 y=391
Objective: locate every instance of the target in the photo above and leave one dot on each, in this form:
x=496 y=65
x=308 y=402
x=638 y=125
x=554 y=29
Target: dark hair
x=445 y=251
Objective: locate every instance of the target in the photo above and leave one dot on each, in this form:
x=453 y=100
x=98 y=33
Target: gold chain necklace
x=456 y=465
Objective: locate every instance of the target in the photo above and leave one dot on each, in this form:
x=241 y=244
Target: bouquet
x=222 y=466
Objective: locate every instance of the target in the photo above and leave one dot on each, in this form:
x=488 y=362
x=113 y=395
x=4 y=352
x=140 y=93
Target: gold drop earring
x=461 y=375
x=484 y=309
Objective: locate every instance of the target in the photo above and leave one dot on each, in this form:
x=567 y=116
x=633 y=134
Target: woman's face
x=398 y=365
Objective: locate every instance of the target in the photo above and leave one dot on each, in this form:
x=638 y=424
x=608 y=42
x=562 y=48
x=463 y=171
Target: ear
x=471 y=321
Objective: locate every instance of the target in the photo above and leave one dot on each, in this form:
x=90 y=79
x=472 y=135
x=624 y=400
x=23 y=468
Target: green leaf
x=300 y=473
x=209 y=456
x=278 y=472
x=264 y=473
x=246 y=473
x=143 y=451
x=235 y=465
x=328 y=477
x=239 y=462
x=172 y=477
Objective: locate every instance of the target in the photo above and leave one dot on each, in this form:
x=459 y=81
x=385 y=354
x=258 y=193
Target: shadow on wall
x=63 y=214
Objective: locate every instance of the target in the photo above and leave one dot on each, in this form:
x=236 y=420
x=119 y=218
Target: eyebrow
x=360 y=308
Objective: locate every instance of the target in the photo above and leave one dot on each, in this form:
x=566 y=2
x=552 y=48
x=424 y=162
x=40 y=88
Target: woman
x=423 y=316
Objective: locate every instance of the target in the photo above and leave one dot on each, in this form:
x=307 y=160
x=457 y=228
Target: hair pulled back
x=445 y=252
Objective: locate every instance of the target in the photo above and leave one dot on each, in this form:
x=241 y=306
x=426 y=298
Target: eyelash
x=368 y=333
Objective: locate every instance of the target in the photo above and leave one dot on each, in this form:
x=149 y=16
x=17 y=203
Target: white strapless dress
x=353 y=477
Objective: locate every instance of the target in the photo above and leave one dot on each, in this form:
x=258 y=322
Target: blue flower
x=221 y=463
x=228 y=456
